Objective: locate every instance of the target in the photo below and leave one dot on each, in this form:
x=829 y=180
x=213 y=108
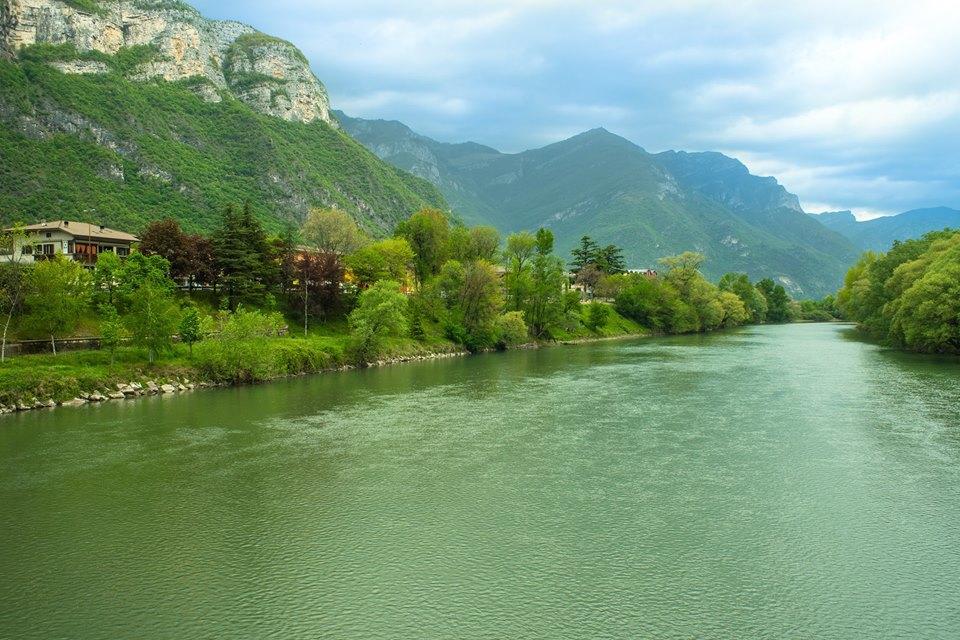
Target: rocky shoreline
x=134 y=389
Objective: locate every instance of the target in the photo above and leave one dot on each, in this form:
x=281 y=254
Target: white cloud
x=371 y=104
x=839 y=124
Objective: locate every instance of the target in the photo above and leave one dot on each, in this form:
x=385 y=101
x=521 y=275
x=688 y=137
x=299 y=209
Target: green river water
x=775 y=482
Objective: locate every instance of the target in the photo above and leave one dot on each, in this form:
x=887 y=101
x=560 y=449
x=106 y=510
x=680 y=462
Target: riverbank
x=75 y=378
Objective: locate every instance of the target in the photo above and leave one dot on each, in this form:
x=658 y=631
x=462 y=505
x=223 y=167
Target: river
x=773 y=482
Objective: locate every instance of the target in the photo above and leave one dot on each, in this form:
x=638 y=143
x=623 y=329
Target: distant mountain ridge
x=879 y=234
x=602 y=185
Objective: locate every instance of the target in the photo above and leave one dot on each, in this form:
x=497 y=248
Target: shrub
x=598 y=314
x=511 y=329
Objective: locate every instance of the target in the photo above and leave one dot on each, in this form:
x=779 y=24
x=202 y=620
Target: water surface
x=782 y=481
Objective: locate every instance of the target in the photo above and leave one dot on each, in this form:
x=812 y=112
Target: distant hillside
x=126 y=112
x=878 y=234
x=652 y=205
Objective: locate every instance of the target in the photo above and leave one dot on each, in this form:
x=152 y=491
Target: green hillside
x=600 y=184
x=120 y=152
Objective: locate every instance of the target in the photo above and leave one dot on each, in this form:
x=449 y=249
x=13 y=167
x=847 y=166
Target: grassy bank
x=70 y=374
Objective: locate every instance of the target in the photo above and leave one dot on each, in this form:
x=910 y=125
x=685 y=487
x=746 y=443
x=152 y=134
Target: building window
x=49 y=235
x=27 y=250
x=47 y=249
x=123 y=252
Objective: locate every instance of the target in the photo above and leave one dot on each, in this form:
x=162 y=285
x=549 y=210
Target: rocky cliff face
x=268 y=74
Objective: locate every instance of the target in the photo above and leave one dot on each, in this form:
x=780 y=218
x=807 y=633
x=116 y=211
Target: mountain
x=878 y=234
x=651 y=205
x=127 y=111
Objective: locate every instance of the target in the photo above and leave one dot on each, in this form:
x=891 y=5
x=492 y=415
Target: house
x=649 y=273
x=80 y=241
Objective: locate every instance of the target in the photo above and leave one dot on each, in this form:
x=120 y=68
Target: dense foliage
x=910 y=295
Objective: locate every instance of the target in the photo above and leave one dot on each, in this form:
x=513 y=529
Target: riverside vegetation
x=908 y=297
x=242 y=306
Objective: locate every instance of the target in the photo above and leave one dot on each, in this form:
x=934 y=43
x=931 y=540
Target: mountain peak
x=270 y=75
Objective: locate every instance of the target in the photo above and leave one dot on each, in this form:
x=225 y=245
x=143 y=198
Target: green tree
x=389 y=259
x=473 y=300
x=332 y=231
x=583 y=254
x=545 y=303
x=381 y=311
x=153 y=318
x=427 y=231
x=112 y=330
x=243 y=257
x=58 y=294
x=735 y=312
x=778 y=302
x=521 y=248
x=510 y=329
x=107 y=276
x=610 y=260
x=753 y=300
x=598 y=314
x=13 y=278
x=191 y=327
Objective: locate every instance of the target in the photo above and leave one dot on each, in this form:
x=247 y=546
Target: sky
x=849 y=104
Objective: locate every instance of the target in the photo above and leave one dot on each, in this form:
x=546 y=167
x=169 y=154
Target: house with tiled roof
x=80 y=241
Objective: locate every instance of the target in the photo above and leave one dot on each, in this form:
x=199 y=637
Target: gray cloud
x=851 y=105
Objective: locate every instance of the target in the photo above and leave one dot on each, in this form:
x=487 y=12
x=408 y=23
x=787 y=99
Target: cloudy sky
x=851 y=105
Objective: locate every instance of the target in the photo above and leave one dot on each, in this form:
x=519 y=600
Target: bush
x=511 y=329
x=598 y=314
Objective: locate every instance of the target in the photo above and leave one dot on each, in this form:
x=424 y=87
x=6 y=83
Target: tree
x=332 y=231
x=544 y=241
x=472 y=297
x=734 y=311
x=111 y=329
x=107 y=274
x=585 y=253
x=381 y=311
x=544 y=305
x=200 y=261
x=13 y=278
x=683 y=269
x=319 y=276
x=191 y=327
x=427 y=231
x=753 y=300
x=510 y=329
x=58 y=293
x=521 y=248
x=610 y=260
x=778 y=302
x=153 y=318
x=242 y=257
x=485 y=242
x=589 y=276
x=388 y=259
x=598 y=314
x=165 y=238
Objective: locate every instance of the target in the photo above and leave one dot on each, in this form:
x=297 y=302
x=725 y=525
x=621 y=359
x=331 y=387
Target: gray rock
x=76 y=402
x=117 y=395
x=168 y=388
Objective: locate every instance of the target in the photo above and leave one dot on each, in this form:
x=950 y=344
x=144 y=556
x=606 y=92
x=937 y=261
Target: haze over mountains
x=878 y=234
x=651 y=205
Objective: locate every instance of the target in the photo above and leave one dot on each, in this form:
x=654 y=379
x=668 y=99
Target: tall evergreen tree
x=584 y=254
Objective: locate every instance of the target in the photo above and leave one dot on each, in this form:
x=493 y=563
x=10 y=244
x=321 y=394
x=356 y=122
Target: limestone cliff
x=268 y=74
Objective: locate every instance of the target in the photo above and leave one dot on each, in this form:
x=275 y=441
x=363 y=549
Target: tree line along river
x=775 y=481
